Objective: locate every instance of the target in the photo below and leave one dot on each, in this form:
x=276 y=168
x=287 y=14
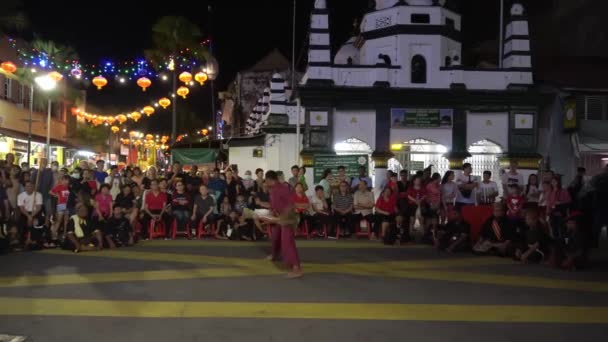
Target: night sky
x=242 y=31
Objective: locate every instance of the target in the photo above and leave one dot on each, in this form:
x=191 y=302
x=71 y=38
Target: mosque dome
x=348 y=53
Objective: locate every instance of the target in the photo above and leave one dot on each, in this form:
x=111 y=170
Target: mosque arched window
x=418 y=69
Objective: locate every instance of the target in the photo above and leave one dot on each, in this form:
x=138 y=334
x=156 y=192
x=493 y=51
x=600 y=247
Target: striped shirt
x=342 y=202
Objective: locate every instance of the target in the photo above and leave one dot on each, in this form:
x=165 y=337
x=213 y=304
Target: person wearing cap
x=570 y=251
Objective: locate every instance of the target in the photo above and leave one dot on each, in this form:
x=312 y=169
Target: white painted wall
x=488 y=126
x=439 y=135
x=319 y=38
x=279 y=154
x=243 y=157
x=358 y=124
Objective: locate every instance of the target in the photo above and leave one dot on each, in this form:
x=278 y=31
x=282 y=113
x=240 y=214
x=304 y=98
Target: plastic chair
x=359 y=232
x=175 y=232
x=157 y=229
x=201 y=232
x=302 y=230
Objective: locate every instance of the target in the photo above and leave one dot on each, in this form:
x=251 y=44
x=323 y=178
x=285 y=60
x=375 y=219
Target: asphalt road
x=351 y=291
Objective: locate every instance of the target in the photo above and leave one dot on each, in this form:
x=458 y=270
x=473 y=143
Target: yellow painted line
x=114 y=277
x=168 y=257
x=338 y=311
x=491 y=279
x=299 y=243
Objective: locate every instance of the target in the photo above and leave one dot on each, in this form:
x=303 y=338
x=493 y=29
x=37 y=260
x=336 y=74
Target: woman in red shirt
x=416 y=196
x=155 y=208
x=432 y=205
x=386 y=208
x=103 y=204
x=301 y=203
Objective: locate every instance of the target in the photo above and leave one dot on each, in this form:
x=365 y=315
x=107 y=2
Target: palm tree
x=172 y=34
x=12 y=17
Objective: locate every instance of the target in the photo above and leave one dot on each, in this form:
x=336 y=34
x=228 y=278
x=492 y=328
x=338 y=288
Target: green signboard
x=350 y=162
x=421 y=118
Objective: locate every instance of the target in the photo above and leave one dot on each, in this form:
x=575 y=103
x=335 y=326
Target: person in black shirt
x=233 y=187
x=75 y=187
x=81 y=234
x=497 y=234
x=181 y=206
x=176 y=175
x=125 y=200
x=193 y=182
x=454 y=236
x=117 y=230
x=535 y=244
x=570 y=251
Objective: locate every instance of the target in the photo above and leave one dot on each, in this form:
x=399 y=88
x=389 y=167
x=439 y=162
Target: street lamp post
x=29 y=125
x=46 y=83
x=48 y=133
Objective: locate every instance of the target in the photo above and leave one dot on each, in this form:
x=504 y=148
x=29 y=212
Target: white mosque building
x=399 y=93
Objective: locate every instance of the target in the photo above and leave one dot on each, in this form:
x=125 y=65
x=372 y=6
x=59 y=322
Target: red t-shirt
x=157 y=202
x=387 y=205
x=62 y=193
x=514 y=205
x=104 y=203
x=433 y=193
x=300 y=200
x=415 y=193
x=92 y=185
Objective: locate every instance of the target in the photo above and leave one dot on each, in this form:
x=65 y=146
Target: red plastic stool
x=200 y=230
x=303 y=231
x=175 y=232
x=368 y=233
x=157 y=229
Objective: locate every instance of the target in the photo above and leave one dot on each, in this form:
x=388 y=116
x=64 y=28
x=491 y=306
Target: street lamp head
x=210 y=128
x=45 y=82
x=211 y=68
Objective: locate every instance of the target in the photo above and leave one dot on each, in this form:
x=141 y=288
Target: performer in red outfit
x=281 y=204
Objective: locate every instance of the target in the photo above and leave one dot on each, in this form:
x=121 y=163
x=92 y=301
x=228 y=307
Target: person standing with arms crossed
x=281 y=205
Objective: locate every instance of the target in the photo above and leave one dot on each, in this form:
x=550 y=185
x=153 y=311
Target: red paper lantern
x=8 y=67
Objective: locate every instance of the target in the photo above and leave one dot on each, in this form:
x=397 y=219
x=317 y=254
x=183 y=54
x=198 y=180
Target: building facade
x=15 y=100
x=398 y=91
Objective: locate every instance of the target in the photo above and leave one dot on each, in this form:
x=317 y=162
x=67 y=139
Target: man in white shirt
x=487 y=190
x=466 y=187
x=115 y=181
x=30 y=206
x=512 y=177
x=363 y=203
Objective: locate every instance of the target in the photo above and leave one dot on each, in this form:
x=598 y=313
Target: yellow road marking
x=115 y=277
x=168 y=257
x=492 y=279
x=418 y=269
x=299 y=243
x=340 y=311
